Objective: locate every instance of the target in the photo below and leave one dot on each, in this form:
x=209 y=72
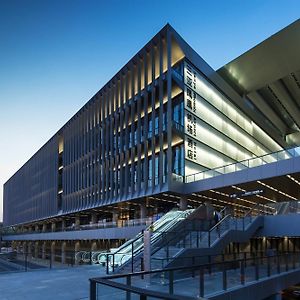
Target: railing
x=21 y=260
x=197 y=236
x=193 y=282
x=134 y=247
x=288 y=207
x=184 y=261
x=244 y=164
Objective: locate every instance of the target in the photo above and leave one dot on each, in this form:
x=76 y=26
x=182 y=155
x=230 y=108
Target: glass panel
x=212 y=282
x=106 y=292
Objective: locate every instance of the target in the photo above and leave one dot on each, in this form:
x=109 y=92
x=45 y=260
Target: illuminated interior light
x=210 y=117
x=223 y=105
x=223 y=201
x=276 y=190
x=293 y=179
x=227 y=195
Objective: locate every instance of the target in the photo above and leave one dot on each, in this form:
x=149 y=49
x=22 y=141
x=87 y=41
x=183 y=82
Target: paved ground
x=67 y=284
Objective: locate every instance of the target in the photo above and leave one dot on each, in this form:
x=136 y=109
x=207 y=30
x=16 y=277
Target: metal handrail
x=143 y=293
x=245 y=162
x=251 y=210
x=221 y=221
x=133 y=253
x=115 y=276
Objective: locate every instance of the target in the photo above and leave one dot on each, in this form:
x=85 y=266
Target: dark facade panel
x=32 y=192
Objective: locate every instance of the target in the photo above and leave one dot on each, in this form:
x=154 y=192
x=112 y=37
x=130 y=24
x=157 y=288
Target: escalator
x=119 y=259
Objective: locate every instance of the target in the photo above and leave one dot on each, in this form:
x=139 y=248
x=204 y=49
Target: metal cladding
x=114 y=149
x=163 y=117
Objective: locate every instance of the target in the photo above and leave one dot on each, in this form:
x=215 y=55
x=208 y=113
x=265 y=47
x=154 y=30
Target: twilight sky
x=56 y=54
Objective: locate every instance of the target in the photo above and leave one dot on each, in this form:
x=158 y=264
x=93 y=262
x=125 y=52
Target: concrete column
x=63 y=225
x=63 y=252
x=94 y=246
x=115 y=216
x=52 y=252
x=143 y=213
x=77 y=249
x=24 y=245
x=209 y=210
x=53 y=227
x=18 y=247
x=29 y=250
x=77 y=222
x=44 y=250
x=94 y=218
x=44 y=227
x=36 y=228
x=264 y=244
x=36 y=249
x=183 y=203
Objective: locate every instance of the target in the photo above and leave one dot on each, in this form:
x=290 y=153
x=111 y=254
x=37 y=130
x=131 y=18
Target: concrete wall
x=262 y=289
x=280 y=226
x=108 y=233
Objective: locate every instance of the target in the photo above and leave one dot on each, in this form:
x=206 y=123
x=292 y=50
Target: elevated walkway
x=89 y=234
x=179 y=240
x=281 y=163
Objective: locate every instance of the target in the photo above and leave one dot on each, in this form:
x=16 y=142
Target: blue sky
x=55 y=55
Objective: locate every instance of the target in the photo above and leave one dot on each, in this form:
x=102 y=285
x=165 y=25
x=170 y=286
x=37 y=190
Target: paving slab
x=67 y=283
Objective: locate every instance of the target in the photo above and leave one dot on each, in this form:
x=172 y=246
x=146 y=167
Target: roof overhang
x=268 y=76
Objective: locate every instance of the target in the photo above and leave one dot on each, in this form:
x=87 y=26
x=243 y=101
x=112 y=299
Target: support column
x=29 y=250
x=44 y=250
x=25 y=250
x=63 y=225
x=209 y=210
x=143 y=213
x=285 y=244
x=53 y=227
x=264 y=244
x=36 y=229
x=52 y=252
x=115 y=216
x=94 y=218
x=44 y=227
x=36 y=249
x=94 y=246
x=63 y=252
x=18 y=247
x=183 y=203
x=77 y=223
x=77 y=249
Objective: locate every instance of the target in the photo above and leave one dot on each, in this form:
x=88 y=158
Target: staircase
x=195 y=245
x=127 y=258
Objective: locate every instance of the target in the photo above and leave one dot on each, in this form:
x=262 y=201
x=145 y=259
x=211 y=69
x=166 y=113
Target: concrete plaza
x=65 y=283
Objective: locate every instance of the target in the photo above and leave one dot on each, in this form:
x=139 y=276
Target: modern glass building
x=143 y=143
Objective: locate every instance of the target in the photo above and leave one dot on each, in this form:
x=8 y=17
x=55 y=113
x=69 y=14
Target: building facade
x=134 y=146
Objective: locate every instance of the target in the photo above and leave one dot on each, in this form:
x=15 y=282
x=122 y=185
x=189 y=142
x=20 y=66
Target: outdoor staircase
x=127 y=258
x=195 y=245
x=179 y=235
